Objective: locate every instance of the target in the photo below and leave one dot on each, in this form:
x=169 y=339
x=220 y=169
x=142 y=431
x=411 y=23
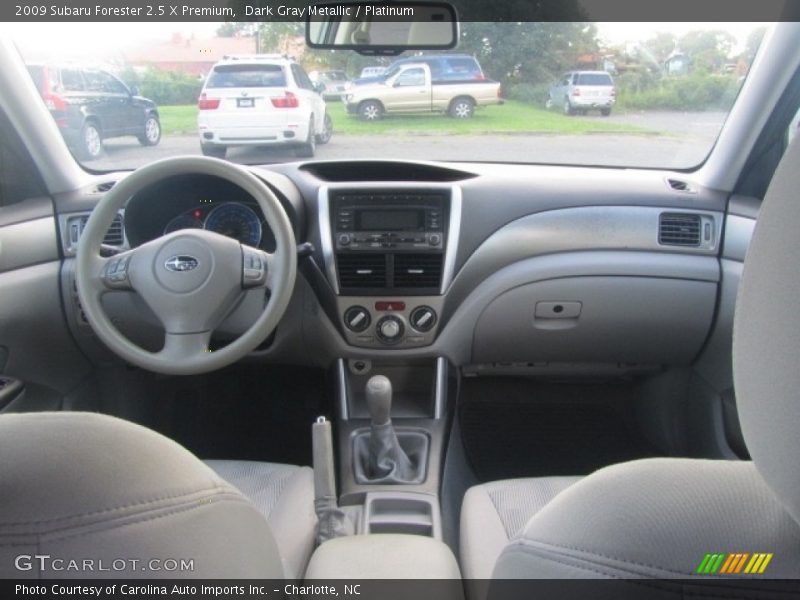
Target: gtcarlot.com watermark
x=45 y=563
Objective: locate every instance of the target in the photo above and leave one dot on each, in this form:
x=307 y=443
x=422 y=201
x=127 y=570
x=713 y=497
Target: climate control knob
x=357 y=319
x=423 y=318
x=389 y=329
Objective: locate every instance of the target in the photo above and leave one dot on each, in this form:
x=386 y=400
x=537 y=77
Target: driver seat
x=89 y=487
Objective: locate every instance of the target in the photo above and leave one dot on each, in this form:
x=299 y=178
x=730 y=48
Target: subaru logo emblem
x=179 y=264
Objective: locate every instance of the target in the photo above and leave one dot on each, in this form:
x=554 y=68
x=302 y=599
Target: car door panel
x=34 y=341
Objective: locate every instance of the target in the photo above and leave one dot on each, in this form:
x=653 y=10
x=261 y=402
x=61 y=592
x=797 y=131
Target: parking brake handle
x=332 y=522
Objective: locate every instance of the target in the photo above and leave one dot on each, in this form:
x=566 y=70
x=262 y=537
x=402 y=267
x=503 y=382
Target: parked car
x=410 y=88
x=372 y=71
x=261 y=100
x=444 y=68
x=581 y=91
x=91 y=105
x=332 y=84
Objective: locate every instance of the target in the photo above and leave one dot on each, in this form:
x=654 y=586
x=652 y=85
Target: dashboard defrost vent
x=679 y=185
x=679 y=229
x=417 y=270
x=362 y=270
x=102 y=188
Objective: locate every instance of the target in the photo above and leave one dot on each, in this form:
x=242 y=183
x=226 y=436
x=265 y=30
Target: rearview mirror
x=382 y=28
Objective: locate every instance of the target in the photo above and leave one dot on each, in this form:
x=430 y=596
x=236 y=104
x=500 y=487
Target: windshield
x=651 y=95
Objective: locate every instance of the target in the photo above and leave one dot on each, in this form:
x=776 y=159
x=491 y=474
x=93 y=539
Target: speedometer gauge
x=236 y=221
x=184 y=221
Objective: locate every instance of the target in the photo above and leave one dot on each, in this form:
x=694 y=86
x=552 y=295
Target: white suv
x=581 y=91
x=261 y=100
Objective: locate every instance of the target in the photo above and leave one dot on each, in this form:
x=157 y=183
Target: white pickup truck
x=411 y=90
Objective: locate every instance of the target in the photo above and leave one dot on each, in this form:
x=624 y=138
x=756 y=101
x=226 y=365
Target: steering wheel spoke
x=257 y=268
x=185 y=346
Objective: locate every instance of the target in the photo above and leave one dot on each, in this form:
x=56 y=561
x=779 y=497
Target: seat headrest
x=766 y=339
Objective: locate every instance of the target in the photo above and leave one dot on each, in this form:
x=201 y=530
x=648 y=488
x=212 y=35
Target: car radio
x=394 y=221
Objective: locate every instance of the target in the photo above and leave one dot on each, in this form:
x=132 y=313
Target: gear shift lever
x=379 y=399
x=386 y=458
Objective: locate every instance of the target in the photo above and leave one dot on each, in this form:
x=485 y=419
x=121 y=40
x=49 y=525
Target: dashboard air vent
x=115 y=236
x=679 y=229
x=679 y=185
x=102 y=188
x=417 y=270
x=362 y=270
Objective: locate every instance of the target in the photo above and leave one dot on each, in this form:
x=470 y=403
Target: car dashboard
x=494 y=267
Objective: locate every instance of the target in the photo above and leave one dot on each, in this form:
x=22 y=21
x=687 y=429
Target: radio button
x=434 y=239
x=344 y=239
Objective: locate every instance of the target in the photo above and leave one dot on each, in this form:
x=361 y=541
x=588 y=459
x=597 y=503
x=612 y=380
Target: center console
x=385 y=520
x=389 y=256
x=389 y=253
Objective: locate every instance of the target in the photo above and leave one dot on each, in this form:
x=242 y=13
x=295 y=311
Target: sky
x=101 y=40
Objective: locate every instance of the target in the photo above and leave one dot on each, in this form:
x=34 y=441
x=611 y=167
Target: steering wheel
x=191 y=279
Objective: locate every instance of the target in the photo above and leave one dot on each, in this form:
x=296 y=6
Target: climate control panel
x=408 y=322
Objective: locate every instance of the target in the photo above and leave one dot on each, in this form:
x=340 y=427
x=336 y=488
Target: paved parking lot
x=682 y=139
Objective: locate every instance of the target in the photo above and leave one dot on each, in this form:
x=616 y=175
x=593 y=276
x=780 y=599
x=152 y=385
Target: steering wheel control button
x=389 y=330
x=116 y=273
x=357 y=319
x=254 y=268
x=423 y=318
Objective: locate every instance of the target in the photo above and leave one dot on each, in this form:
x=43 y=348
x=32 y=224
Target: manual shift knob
x=379 y=399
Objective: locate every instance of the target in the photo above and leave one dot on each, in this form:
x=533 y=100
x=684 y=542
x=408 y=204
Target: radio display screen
x=390 y=220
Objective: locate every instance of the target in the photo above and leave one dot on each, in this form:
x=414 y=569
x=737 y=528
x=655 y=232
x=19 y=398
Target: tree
x=533 y=51
x=234 y=28
x=659 y=47
x=708 y=49
x=753 y=42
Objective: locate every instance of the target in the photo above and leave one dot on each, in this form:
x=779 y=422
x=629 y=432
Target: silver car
x=581 y=91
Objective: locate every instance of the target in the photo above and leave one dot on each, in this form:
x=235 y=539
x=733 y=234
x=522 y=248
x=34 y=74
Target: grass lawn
x=512 y=117
x=177 y=120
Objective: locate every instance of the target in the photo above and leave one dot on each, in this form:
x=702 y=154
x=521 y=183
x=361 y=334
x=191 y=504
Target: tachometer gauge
x=184 y=221
x=236 y=221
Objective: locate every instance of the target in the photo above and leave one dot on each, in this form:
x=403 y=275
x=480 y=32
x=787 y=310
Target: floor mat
x=247 y=413
x=515 y=427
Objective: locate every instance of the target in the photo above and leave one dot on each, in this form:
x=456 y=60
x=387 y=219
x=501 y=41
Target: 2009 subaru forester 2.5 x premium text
x=474 y=350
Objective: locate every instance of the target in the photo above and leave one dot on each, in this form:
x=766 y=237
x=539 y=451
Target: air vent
x=362 y=270
x=115 y=236
x=679 y=185
x=417 y=270
x=102 y=188
x=677 y=229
